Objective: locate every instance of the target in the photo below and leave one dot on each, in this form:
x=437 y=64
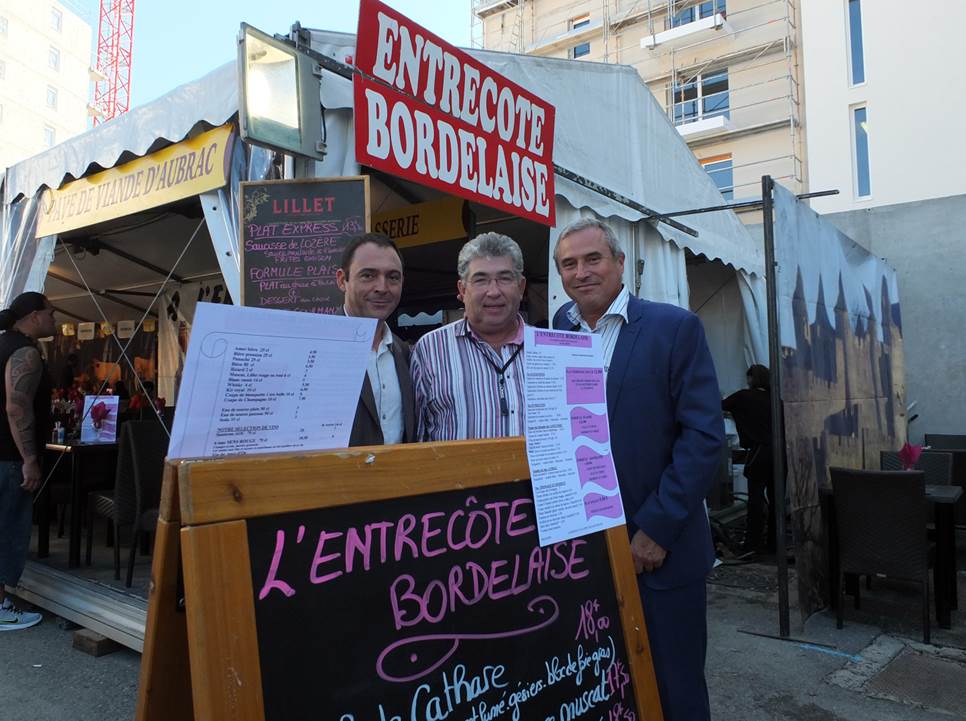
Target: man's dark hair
x=759 y=377
x=378 y=239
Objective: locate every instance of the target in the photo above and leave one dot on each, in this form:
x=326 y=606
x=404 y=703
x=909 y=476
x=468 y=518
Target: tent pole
x=777 y=426
x=113 y=298
x=743 y=204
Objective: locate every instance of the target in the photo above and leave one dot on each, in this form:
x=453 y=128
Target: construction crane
x=115 y=45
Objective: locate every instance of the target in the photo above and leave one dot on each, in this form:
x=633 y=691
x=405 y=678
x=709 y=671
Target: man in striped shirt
x=468 y=375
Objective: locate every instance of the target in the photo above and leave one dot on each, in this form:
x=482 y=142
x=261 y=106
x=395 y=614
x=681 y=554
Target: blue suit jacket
x=664 y=408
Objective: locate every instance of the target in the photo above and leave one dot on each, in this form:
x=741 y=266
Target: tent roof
x=596 y=104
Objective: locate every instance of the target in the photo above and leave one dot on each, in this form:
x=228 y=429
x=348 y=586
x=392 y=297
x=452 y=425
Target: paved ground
x=44 y=679
x=874 y=669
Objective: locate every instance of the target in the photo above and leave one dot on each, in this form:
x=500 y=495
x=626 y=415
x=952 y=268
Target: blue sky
x=176 y=41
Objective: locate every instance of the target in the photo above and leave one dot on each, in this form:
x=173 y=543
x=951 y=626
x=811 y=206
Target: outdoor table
x=81 y=455
x=943 y=499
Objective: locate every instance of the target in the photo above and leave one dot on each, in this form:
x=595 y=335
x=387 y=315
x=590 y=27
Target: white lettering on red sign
x=441 y=118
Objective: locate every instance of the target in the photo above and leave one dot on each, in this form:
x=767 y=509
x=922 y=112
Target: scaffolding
x=744 y=53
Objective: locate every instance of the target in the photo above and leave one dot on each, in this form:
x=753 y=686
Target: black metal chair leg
x=925 y=610
x=90 y=538
x=130 y=558
x=841 y=602
x=117 y=552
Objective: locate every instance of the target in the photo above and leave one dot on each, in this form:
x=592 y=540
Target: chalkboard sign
x=391 y=583
x=292 y=236
x=436 y=602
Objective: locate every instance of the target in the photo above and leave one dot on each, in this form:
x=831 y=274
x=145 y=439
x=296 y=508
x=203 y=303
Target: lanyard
x=501 y=378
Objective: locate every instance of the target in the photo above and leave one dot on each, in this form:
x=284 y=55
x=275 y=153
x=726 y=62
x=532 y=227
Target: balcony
x=483 y=8
x=688 y=32
x=705 y=127
x=565 y=40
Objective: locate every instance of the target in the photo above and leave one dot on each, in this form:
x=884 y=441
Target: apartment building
x=727 y=72
x=45 y=59
x=872 y=135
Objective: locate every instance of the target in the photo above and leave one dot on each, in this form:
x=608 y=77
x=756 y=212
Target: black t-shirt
x=751 y=409
x=10 y=342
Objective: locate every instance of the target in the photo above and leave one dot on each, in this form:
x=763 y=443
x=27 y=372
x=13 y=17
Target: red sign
x=435 y=115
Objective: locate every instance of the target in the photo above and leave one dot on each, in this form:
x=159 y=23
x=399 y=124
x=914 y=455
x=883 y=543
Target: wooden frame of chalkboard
x=296 y=229
x=266 y=624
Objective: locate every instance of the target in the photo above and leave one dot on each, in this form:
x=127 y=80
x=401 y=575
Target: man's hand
x=31 y=475
x=648 y=555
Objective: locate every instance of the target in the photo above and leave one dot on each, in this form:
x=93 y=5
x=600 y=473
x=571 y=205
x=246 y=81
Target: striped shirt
x=609 y=325
x=457 y=388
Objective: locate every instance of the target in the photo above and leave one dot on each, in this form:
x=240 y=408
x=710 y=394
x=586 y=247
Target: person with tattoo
x=24 y=429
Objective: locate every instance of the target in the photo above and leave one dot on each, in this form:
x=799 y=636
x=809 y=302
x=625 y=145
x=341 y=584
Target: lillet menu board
x=293 y=233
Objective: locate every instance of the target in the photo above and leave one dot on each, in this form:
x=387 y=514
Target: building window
x=53 y=58
x=578 y=51
x=856 y=55
x=56 y=19
x=50 y=136
x=580 y=22
x=697 y=12
x=705 y=96
x=51 y=97
x=860 y=135
x=721 y=170
x=3 y=25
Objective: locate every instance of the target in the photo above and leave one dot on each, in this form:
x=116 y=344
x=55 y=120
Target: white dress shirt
x=385 y=389
x=608 y=326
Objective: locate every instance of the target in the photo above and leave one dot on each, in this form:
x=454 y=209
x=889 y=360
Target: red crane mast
x=115 y=45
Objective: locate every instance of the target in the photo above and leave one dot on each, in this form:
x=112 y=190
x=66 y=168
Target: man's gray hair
x=490 y=245
x=584 y=224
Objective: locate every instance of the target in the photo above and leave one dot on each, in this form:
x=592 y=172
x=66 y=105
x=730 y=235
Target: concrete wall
x=912 y=91
x=925 y=242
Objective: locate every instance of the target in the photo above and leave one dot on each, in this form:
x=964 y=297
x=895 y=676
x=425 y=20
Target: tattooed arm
x=23 y=373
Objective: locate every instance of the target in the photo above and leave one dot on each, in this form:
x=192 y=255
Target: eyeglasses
x=503 y=280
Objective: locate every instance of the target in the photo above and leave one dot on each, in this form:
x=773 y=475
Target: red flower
x=909 y=456
x=99 y=411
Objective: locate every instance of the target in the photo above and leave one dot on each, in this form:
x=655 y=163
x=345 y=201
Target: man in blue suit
x=664 y=408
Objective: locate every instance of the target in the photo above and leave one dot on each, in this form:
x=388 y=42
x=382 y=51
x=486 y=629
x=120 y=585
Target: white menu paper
x=575 y=488
x=269 y=381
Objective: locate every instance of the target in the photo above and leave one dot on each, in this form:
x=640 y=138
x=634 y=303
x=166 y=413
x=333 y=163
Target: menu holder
x=408 y=581
x=293 y=233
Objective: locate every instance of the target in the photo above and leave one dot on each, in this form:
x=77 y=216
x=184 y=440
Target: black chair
x=880 y=520
x=955 y=444
x=149 y=446
x=936 y=465
x=945 y=441
x=137 y=490
x=117 y=506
